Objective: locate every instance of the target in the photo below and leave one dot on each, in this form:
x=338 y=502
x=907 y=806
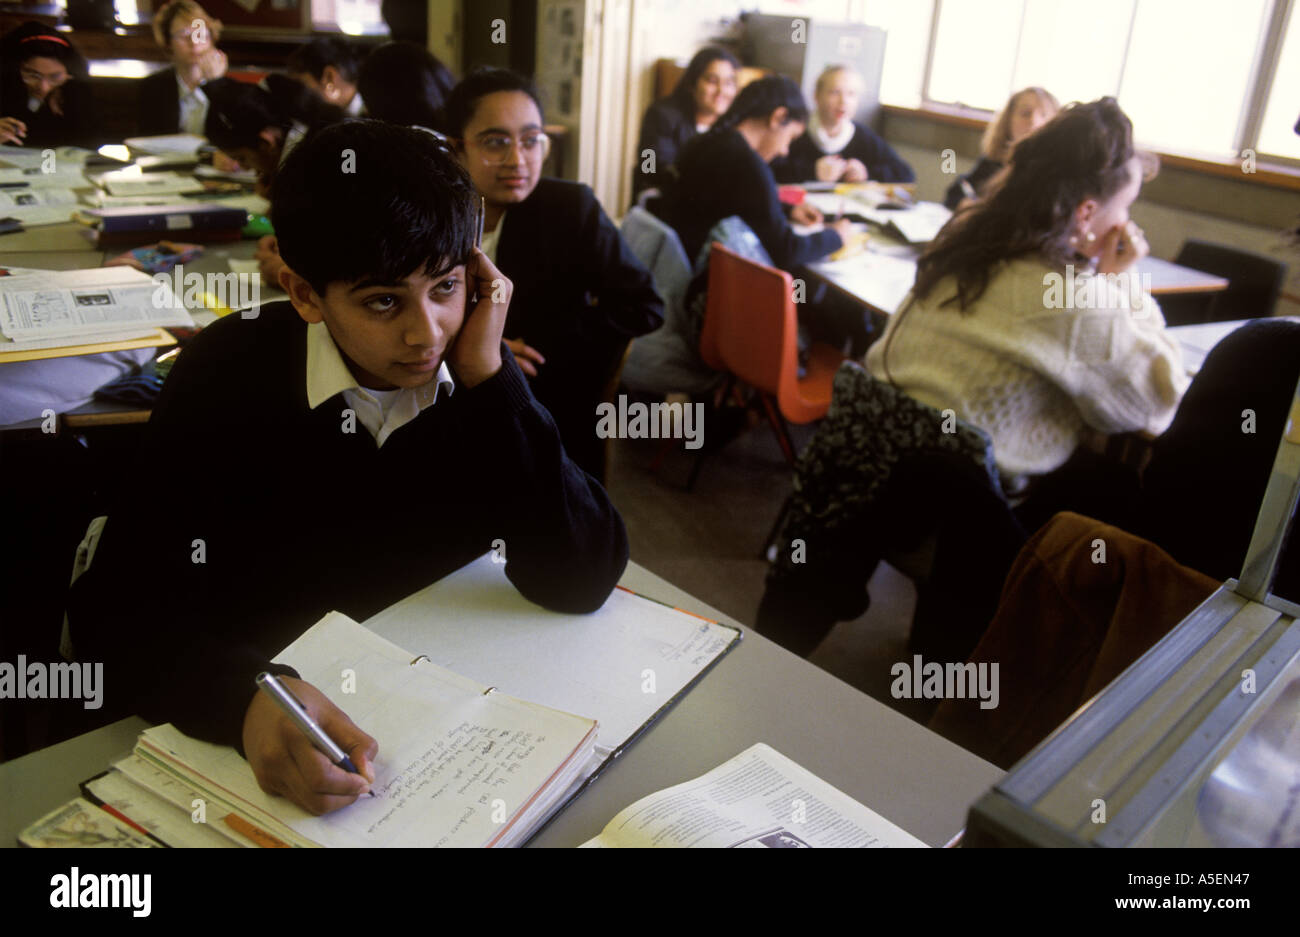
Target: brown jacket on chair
x=1066 y=626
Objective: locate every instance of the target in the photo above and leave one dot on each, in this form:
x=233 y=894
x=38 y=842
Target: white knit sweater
x=1033 y=376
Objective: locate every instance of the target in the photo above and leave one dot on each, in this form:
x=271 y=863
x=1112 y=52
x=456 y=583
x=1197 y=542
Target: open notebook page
x=620 y=664
x=448 y=753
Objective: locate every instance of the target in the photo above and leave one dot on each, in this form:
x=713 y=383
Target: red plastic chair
x=751 y=332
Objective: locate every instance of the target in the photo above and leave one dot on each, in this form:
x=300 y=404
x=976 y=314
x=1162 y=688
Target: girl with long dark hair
x=1028 y=320
x=702 y=95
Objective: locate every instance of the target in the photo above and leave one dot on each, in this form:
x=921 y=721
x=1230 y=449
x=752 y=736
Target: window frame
x=1271 y=169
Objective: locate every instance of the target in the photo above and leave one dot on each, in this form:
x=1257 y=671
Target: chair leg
x=769 y=543
x=778 y=426
x=716 y=406
x=665 y=447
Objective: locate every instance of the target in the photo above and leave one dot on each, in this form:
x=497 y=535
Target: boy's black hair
x=365 y=199
x=313 y=58
x=404 y=83
x=238 y=112
x=760 y=98
x=479 y=84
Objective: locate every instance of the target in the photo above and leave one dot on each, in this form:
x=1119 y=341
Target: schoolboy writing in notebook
x=338 y=451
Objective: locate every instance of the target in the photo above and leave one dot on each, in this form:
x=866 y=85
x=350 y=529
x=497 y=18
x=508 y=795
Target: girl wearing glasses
x=173 y=100
x=579 y=294
x=702 y=95
x=44 y=97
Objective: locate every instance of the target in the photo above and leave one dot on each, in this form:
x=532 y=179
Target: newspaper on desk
x=37 y=206
x=50 y=308
x=758 y=800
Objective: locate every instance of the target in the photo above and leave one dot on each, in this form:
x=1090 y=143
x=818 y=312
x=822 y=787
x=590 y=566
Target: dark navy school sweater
x=298 y=517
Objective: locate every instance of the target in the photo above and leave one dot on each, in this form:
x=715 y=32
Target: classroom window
x=907 y=30
x=1277 y=135
x=1185 y=71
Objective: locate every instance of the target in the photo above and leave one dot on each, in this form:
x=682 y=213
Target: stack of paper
x=37 y=206
x=52 y=309
x=460 y=763
x=185 y=143
x=758 y=800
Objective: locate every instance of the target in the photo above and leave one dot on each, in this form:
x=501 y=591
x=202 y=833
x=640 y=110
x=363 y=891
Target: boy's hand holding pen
x=285 y=759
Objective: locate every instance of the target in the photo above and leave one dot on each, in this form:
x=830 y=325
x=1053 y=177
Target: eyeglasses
x=494 y=149
x=32 y=77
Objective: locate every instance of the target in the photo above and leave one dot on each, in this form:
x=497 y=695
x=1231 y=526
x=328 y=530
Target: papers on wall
x=37 y=206
x=47 y=308
x=758 y=800
x=166 y=143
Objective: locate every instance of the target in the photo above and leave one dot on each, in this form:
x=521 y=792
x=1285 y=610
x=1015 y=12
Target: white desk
x=1198 y=341
x=758 y=692
x=881 y=277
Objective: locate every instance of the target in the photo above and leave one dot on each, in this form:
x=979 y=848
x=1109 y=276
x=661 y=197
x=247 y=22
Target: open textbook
x=760 y=799
x=623 y=666
x=459 y=764
x=49 y=308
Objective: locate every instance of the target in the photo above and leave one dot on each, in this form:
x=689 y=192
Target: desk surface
x=758 y=692
x=881 y=277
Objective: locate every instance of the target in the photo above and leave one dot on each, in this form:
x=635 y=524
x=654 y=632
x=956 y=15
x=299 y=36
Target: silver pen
x=297 y=712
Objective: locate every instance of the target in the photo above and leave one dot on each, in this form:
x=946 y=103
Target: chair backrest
x=750 y=326
x=660 y=251
x=1255 y=280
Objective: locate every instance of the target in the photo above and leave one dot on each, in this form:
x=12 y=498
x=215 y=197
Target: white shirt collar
x=827 y=143
x=328 y=374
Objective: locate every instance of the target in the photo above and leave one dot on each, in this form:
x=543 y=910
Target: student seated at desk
x=364 y=439
x=985 y=333
x=329 y=67
x=45 y=96
x=173 y=100
x=404 y=83
x=836 y=148
x=702 y=95
x=258 y=124
x=1025 y=112
x=725 y=172
x=580 y=294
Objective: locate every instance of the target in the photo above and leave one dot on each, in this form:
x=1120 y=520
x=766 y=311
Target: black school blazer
x=160 y=104
x=578 y=289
